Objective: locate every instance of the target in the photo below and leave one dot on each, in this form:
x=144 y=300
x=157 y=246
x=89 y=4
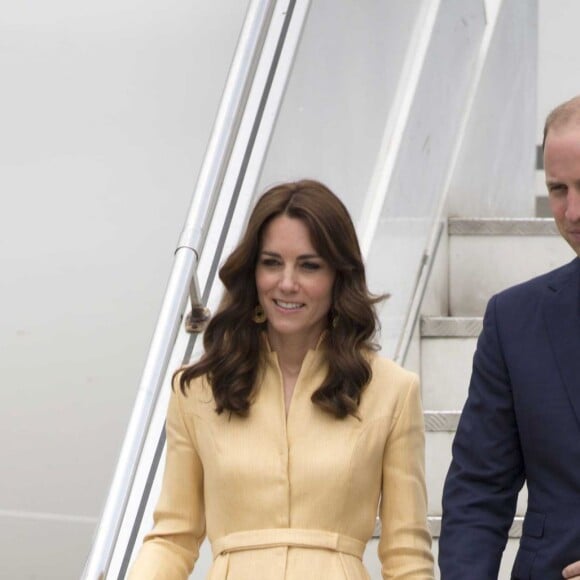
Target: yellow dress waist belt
x=276 y=537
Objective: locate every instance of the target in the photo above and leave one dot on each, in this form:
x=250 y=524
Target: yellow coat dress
x=296 y=497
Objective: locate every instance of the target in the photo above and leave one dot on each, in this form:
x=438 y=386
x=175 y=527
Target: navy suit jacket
x=521 y=422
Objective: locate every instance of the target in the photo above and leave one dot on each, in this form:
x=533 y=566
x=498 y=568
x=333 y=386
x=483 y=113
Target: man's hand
x=572 y=572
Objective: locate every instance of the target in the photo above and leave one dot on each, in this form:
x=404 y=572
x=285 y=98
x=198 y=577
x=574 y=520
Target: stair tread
x=451 y=326
x=531 y=226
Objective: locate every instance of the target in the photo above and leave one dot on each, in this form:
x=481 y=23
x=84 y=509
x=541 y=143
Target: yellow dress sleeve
x=170 y=550
x=405 y=544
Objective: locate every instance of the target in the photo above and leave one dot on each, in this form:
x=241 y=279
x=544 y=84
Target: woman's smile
x=288 y=305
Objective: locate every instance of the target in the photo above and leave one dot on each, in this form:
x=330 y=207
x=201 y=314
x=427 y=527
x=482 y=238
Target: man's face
x=562 y=167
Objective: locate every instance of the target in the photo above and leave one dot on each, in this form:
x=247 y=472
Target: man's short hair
x=564 y=114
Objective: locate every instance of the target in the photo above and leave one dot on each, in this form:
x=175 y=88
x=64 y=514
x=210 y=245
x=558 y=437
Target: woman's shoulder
x=390 y=384
x=386 y=368
x=179 y=378
x=193 y=392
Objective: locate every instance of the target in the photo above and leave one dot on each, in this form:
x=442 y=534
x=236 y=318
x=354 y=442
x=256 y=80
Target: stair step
x=447 y=326
x=447 y=347
x=514 y=532
x=502 y=227
x=436 y=421
x=487 y=255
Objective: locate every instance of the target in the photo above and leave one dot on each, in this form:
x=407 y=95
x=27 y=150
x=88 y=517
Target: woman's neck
x=290 y=353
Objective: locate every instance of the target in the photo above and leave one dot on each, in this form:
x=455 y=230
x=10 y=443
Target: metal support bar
x=198 y=317
x=153 y=373
x=221 y=142
x=412 y=314
x=226 y=125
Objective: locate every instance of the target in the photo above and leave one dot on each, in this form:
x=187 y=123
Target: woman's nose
x=288 y=280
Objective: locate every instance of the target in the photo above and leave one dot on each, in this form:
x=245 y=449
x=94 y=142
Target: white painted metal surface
x=419 y=146
x=494 y=173
x=481 y=265
x=343 y=84
x=106 y=111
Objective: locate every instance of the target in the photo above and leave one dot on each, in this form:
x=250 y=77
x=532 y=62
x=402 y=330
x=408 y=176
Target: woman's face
x=294 y=282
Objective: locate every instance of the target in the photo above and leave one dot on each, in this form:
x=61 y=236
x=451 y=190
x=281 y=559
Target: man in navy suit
x=521 y=421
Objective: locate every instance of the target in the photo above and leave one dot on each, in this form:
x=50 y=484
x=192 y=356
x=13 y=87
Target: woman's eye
x=311 y=265
x=269 y=262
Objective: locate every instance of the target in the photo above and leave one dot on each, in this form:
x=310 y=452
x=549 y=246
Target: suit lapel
x=562 y=316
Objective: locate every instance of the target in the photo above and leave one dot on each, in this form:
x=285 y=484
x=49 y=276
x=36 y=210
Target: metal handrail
x=182 y=280
x=237 y=189
x=226 y=124
x=413 y=311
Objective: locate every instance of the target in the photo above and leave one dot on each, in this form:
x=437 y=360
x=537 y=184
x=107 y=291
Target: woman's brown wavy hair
x=233 y=342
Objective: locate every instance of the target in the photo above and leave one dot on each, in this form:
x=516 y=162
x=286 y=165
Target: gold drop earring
x=259 y=314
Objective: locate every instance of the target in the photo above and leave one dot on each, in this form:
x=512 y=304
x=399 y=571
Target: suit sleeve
x=170 y=550
x=405 y=544
x=486 y=472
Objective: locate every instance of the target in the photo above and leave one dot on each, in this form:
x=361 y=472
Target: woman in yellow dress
x=291 y=433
